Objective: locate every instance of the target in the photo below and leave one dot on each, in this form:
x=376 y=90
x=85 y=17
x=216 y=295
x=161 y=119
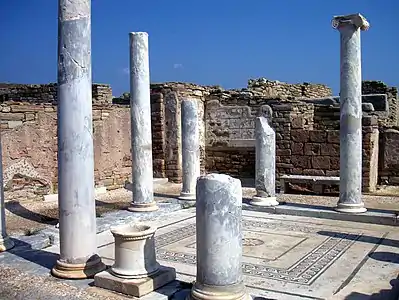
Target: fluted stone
x=350 y=198
x=5 y=242
x=190 y=148
x=140 y=108
x=265 y=164
x=77 y=214
x=219 y=239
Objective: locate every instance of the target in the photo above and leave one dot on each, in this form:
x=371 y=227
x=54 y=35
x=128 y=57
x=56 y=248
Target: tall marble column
x=350 y=198
x=265 y=164
x=190 y=148
x=5 y=242
x=140 y=109
x=77 y=214
x=219 y=239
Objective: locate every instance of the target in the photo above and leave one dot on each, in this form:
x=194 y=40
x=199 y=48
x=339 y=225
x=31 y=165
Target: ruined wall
x=168 y=132
x=29 y=140
x=305 y=143
x=282 y=90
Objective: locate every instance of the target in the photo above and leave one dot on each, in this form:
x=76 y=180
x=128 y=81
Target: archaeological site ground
x=181 y=191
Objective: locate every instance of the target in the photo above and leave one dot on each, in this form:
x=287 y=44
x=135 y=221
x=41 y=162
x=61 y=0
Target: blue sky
x=215 y=42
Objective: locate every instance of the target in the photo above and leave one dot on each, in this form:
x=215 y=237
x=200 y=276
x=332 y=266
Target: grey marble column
x=190 y=148
x=219 y=239
x=77 y=214
x=265 y=164
x=5 y=242
x=350 y=198
x=140 y=109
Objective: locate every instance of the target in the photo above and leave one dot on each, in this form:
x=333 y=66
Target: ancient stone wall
x=29 y=140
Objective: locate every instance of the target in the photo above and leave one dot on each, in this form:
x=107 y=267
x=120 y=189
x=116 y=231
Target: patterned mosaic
x=305 y=271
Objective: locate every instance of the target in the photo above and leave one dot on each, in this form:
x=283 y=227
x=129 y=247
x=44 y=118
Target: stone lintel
x=135 y=287
x=354 y=19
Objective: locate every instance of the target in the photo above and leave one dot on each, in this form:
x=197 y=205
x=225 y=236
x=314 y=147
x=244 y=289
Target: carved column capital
x=355 y=19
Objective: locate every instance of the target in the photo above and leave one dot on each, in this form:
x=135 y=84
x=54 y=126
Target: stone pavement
x=285 y=257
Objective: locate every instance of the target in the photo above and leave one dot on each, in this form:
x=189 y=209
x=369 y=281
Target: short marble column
x=350 y=198
x=5 y=242
x=140 y=109
x=77 y=213
x=190 y=148
x=265 y=164
x=219 y=239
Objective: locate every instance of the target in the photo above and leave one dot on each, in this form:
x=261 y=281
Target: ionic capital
x=355 y=19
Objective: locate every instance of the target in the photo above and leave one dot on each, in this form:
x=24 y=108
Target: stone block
x=301 y=161
x=318 y=136
x=300 y=136
x=312 y=149
x=333 y=136
x=321 y=162
x=297 y=148
x=330 y=150
x=135 y=287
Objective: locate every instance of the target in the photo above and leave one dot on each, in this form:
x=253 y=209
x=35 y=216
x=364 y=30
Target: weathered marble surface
x=140 y=107
x=351 y=113
x=219 y=238
x=190 y=148
x=77 y=218
x=265 y=164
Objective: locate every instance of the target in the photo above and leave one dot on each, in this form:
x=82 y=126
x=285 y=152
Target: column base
x=78 y=271
x=187 y=196
x=264 y=201
x=228 y=292
x=6 y=243
x=143 y=207
x=351 y=208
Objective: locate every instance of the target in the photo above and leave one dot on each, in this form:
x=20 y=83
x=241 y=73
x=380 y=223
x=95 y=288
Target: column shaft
x=190 y=148
x=140 y=108
x=350 y=199
x=77 y=215
x=219 y=238
x=265 y=164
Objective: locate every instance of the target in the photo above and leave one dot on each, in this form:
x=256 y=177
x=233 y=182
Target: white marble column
x=77 y=215
x=265 y=164
x=5 y=242
x=140 y=109
x=219 y=239
x=350 y=198
x=190 y=148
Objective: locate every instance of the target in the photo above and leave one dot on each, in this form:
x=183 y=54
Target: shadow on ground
x=391 y=294
x=50 y=218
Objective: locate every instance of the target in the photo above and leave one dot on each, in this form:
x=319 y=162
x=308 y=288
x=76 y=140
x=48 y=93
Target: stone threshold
x=373 y=216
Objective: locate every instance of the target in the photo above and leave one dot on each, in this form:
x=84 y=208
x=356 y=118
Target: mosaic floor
x=287 y=257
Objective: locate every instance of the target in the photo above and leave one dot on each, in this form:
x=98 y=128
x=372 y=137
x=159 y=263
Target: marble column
x=77 y=214
x=219 y=239
x=265 y=164
x=140 y=109
x=5 y=242
x=350 y=198
x=190 y=148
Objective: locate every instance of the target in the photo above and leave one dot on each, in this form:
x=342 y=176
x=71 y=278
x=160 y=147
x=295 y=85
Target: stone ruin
x=304 y=116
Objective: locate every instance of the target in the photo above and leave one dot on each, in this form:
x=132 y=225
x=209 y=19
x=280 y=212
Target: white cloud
x=177 y=66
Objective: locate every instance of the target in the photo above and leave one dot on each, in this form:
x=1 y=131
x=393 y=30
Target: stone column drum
x=350 y=198
x=140 y=109
x=77 y=214
x=134 y=251
x=265 y=164
x=5 y=242
x=219 y=239
x=190 y=148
